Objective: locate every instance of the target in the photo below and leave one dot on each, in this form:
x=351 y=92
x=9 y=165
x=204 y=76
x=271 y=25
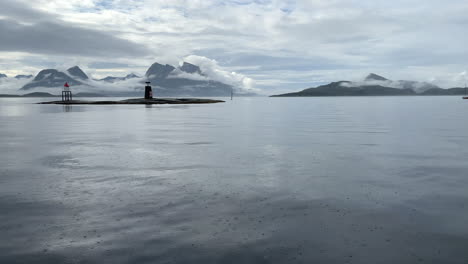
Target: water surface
x=254 y=180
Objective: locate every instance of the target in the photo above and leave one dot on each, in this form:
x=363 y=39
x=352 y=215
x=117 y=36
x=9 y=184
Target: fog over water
x=253 y=180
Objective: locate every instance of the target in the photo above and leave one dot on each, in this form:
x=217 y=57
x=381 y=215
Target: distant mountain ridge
x=22 y=76
x=167 y=80
x=53 y=78
x=113 y=79
x=375 y=85
x=19 y=76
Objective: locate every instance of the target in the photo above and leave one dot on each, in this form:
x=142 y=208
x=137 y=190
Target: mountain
x=22 y=76
x=450 y=91
x=76 y=72
x=418 y=87
x=345 y=88
x=51 y=78
x=167 y=80
x=374 y=85
x=190 y=68
x=9 y=95
x=39 y=94
x=375 y=77
x=112 y=79
x=159 y=71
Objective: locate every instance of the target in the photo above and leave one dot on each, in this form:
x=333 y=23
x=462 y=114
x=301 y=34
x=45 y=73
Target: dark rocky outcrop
x=141 y=101
x=3 y=75
x=89 y=95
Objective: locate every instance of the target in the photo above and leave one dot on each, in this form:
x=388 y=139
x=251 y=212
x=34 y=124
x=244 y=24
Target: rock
x=141 y=101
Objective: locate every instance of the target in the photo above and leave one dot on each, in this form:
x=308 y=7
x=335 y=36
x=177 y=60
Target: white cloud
x=328 y=39
x=213 y=71
x=11 y=85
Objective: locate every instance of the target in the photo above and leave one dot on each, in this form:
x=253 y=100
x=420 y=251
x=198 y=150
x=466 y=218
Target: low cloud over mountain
x=376 y=85
x=185 y=80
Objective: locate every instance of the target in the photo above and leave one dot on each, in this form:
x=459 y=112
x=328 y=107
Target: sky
x=269 y=46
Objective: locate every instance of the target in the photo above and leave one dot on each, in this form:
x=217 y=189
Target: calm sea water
x=254 y=180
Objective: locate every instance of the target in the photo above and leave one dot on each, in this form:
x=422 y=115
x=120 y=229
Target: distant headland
x=375 y=85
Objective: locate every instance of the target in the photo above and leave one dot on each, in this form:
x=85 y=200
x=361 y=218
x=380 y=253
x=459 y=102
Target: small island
x=139 y=101
x=67 y=99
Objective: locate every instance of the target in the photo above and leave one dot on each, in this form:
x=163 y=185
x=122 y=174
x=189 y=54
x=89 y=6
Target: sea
x=252 y=180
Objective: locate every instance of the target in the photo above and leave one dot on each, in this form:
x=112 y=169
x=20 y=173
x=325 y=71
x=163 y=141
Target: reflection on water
x=67 y=108
x=255 y=180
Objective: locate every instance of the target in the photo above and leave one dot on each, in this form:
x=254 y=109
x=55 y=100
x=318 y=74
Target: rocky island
x=139 y=101
x=67 y=99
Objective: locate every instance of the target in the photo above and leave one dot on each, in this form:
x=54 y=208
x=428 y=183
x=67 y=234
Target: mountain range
x=54 y=78
x=112 y=79
x=189 y=80
x=375 y=85
x=166 y=80
x=20 y=76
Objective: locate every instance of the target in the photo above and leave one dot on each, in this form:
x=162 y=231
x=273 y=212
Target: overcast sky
x=276 y=45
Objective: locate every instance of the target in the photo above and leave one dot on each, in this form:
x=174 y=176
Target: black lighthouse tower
x=148 y=91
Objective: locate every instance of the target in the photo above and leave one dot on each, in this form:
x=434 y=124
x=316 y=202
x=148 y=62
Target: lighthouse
x=148 y=91
x=66 y=93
